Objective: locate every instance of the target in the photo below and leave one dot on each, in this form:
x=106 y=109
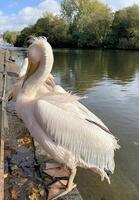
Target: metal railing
x=4 y=126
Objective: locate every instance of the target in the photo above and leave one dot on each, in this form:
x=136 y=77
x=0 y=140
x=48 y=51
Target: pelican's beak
x=32 y=68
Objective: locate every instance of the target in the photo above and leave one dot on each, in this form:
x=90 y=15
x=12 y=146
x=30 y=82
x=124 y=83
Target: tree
x=90 y=21
x=53 y=27
x=24 y=35
x=10 y=37
x=86 y=24
x=125 y=28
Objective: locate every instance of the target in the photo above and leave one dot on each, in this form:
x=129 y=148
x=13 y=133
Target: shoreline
x=79 y=48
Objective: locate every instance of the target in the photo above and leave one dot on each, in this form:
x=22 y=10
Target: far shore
x=75 y=48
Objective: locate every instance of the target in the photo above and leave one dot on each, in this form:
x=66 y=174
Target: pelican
x=65 y=128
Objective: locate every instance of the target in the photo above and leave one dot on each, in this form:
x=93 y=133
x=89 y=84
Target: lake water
x=110 y=80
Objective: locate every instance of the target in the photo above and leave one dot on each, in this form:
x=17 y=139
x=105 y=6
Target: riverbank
x=83 y=48
x=24 y=159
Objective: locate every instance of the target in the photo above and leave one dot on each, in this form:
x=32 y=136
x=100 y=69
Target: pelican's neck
x=33 y=83
x=23 y=68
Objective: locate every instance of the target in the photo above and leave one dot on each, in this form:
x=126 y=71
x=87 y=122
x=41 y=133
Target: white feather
x=86 y=141
x=24 y=68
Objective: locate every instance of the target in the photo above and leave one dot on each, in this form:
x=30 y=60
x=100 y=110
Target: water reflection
x=83 y=69
x=110 y=79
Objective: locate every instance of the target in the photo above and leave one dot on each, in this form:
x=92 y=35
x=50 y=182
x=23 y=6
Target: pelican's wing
x=89 y=116
x=87 y=141
x=59 y=98
x=78 y=108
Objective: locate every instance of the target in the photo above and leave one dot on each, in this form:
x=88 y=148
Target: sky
x=17 y=14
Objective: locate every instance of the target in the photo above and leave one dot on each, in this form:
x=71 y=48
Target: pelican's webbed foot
x=56 y=170
x=68 y=185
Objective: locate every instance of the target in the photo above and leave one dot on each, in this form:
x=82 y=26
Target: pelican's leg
x=70 y=186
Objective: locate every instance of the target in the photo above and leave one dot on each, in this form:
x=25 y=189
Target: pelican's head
x=35 y=52
x=40 y=54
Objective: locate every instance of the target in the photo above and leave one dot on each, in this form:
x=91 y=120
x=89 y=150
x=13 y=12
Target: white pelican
x=65 y=128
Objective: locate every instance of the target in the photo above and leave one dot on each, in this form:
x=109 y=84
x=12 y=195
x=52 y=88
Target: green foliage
x=53 y=27
x=10 y=37
x=87 y=24
x=91 y=21
x=125 y=28
x=23 y=37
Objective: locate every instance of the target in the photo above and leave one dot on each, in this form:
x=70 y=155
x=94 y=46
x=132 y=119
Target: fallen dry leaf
x=23 y=141
x=6 y=175
x=14 y=194
x=33 y=196
x=42 y=192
